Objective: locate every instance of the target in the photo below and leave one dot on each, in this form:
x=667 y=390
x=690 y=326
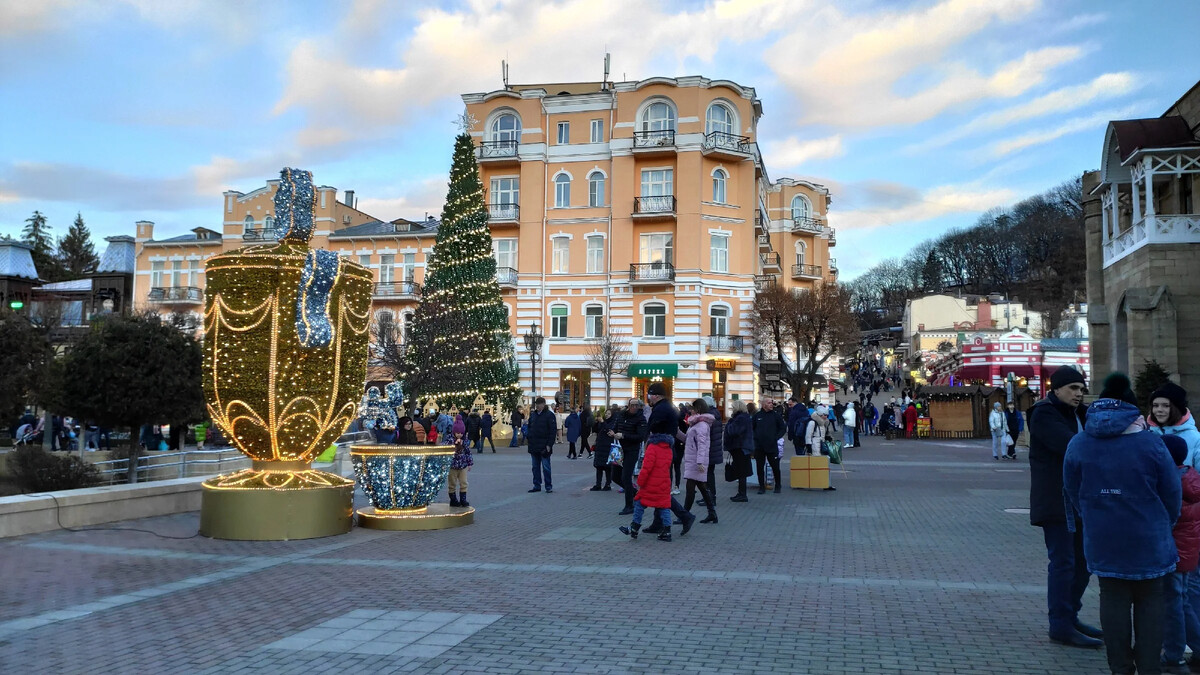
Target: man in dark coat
x=663 y=427
x=586 y=422
x=543 y=429
x=1053 y=421
x=797 y=424
x=630 y=433
x=516 y=419
x=769 y=427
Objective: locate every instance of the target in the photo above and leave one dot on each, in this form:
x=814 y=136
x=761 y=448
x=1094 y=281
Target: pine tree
x=460 y=345
x=37 y=234
x=76 y=251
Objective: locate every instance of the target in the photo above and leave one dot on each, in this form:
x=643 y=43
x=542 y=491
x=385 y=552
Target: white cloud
x=424 y=196
x=792 y=152
x=911 y=207
x=1071 y=126
x=231 y=18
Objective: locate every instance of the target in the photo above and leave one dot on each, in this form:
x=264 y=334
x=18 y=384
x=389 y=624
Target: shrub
x=36 y=470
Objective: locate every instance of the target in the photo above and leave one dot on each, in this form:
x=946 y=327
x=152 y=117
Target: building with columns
x=1142 y=221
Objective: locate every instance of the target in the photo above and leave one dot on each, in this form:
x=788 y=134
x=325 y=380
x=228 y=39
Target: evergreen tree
x=37 y=234
x=460 y=345
x=76 y=251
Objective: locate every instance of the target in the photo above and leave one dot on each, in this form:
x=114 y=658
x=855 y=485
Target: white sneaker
x=674 y=490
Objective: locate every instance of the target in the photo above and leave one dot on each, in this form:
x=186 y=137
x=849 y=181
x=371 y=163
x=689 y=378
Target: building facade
x=989 y=358
x=1142 y=222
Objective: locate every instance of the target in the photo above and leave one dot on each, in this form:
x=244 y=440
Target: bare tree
x=387 y=347
x=823 y=324
x=773 y=309
x=609 y=354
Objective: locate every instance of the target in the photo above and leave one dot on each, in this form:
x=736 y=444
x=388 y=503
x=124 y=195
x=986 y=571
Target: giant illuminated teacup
x=401 y=482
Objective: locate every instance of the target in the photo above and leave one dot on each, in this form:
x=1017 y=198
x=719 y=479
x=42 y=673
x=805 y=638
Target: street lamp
x=533 y=342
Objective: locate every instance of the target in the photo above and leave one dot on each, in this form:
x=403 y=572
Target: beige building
x=1142 y=221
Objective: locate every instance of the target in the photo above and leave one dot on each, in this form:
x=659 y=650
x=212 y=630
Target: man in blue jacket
x=797 y=424
x=543 y=429
x=1120 y=478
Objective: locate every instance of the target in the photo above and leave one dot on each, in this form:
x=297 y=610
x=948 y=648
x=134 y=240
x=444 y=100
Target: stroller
x=26 y=435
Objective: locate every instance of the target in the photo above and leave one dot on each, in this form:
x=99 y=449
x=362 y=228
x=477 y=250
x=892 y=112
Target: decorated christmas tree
x=460 y=346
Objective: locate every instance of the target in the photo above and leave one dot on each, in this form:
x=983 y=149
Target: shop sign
x=654 y=370
x=721 y=364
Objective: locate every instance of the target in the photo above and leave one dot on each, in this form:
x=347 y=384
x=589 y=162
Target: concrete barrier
x=29 y=514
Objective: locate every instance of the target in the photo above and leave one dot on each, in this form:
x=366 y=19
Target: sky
x=918 y=116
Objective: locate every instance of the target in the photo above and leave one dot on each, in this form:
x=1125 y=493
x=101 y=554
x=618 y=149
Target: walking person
x=663 y=428
x=1121 y=480
x=849 y=419
x=797 y=419
x=630 y=432
x=516 y=420
x=696 y=459
x=1014 y=424
x=485 y=430
x=543 y=429
x=586 y=422
x=716 y=444
x=739 y=443
x=999 y=428
x=475 y=431
x=1181 y=623
x=572 y=427
x=1053 y=422
x=910 y=420
x=677 y=449
x=460 y=466
x=603 y=447
x=1169 y=416
x=654 y=483
x=769 y=427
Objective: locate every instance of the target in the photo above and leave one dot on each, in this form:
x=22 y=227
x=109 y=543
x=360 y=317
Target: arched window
x=658 y=116
x=801 y=209
x=654 y=320
x=249 y=222
x=719 y=119
x=562 y=191
x=718 y=320
x=268 y=223
x=506 y=127
x=406 y=326
x=719 y=178
x=801 y=250
x=595 y=189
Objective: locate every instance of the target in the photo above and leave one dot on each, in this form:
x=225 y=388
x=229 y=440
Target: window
x=506 y=191
x=719 y=248
x=268 y=223
x=656 y=248
x=193 y=273
x=564 y=133
x=595 y=254
x=505 y=251
x=156 y=274
x=800 y=252
x=719 y=119
x=658 y=182
x=595 y=189
x=593 y=321
x=654 y=320
x=597 y=131
x=562 y=191
x=718 y=320
x=506 y=127
x=561 y=255
x=364 y=259
x=387 y=273
x=177 y=273
x=658 y=116
x=406 y=324
x=801 y=209
x=719 y=179
x=408 y=266
x=558 y=321
x=249 y=223
x=385 y=319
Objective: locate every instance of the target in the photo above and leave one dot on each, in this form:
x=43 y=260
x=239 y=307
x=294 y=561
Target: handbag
x=1008 y=441
x=614 y=457
x=834 y=450
x=730 y=473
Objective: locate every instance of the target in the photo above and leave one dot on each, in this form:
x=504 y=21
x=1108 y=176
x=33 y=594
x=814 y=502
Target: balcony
x=760 y=223
x=267 y=234
x=832 y=237
x=650 y=208
x=1153 y=229
x=764 y=241
x=726 y=344
x=177 y=295
x=806 y=225
x=506 y=277
x=807 y=271
x=660 y=141
x=833 y=266
x=504 y=213
x=499 y=152
x=652 y=273
x=399 y=290
x=763 y=281
x=721 y=144
x=770 y=261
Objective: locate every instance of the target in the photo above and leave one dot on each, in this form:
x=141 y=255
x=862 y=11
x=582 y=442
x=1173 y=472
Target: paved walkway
x=922 y=561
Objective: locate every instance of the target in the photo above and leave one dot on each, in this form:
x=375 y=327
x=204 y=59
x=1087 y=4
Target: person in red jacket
x=1182 y=625
x=654 y=489
x=910 y=421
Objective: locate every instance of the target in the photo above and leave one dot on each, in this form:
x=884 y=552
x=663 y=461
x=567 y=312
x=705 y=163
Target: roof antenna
x=504 y=72
x=607 y=61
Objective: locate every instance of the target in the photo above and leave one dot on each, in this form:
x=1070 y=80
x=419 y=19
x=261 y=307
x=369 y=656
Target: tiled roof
x=16 y=260
x=119 y=256
x=1062 y=344
x=377 y=228
x=75 y=285
x=1157 y=132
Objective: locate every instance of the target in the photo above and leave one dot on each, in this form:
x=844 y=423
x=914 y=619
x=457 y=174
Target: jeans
x=998 y=447
x=1066 y=576
x=663 y=514
x=1146 y=598
x=541 y=467
x=847 y=436
x=1181 y=626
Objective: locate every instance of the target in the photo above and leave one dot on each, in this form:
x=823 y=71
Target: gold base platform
x=433 y=517
x=259 y=506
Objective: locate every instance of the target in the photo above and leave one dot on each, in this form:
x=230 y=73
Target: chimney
x=349 y=199
x=921 y=327
x=145 y=230
x=983 y=314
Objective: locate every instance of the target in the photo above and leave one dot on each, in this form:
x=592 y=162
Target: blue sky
x=918 y=116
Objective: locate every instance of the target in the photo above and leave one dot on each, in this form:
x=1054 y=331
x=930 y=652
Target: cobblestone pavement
x=922 y=561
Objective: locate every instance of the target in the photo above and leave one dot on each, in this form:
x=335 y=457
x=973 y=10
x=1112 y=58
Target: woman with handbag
x=631 y=430
x=603 y=448
x=739 y=443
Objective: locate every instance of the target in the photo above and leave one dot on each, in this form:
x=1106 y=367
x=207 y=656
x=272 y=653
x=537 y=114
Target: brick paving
x=912 y=566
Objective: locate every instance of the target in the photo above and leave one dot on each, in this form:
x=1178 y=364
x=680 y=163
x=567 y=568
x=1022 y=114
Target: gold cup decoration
x=285 y=355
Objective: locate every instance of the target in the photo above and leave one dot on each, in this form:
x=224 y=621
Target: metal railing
x=176 y=294
x=655 y=271
x=397 y=289
x=806 y=225
x=498 y=149
x=726 y=343
x=759 y=221
x=833 y=266
x=504 y=212
x=719 y=140
x=764 y=281
x=506 y=276
x=769 y=259
x=655 y=204
x=832 y=237
x=149 y=466
x=261 y=234
x=764 y=240
x=806 y=271
x=659 y=138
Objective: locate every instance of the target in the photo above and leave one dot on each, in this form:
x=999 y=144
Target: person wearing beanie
x=1119 y=477
x=1053 y=422
x=1169 y=416
x=1182 y=627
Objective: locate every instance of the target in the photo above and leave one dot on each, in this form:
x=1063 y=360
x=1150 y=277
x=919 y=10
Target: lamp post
x=533 y=343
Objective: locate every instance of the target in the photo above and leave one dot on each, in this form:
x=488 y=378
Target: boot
x=712 y=516
x=453 y=499
x=655 y=527
x=739 y=497
x=462 y=499
x=689 y=520
x=595 y=488
x=632 y=530
x=665 y=536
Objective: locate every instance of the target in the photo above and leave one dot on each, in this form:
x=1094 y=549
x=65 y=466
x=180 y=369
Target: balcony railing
x=806 y=271
x=760 y=223
x=660 y=138
x=764 y=281
x=262 y=234
x=806 y=225
x=649 y=272
x=1183 y=228
x=504 y=212
x=721 y=141
x=769 y=259
x=726 y=343
x=659 y=204
x=764 y=241
x=180 y=294
x=506 y=276
x=833 y=266
x=832 y=237
x=397 y=289
x=505 y=149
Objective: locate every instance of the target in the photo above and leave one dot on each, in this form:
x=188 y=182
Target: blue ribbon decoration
x=313 y=325
x=295 y=199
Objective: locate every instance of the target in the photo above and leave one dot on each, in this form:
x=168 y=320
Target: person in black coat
x=586 y=423
x=631 y=430
x=769 y=427
x=603 y=447
x=739 y=442
x=664 y=428
x=485 y=430
x=1053 y=421
x=516 y=419
x=543 y=430
x=716 y=447
x=474 y=424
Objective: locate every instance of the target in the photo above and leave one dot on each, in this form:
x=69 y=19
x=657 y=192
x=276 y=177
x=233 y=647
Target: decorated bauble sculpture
x=285 y=354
